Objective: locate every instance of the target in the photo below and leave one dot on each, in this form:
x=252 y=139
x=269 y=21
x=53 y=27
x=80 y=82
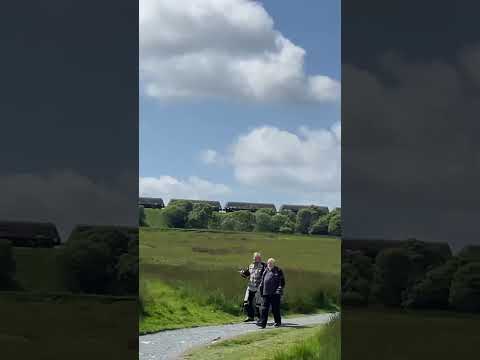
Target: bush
x=320 y=227
x=215 y=221
x=305 y=218
x=392 y=268
x=101 y=261
x=175 y=216
x=127 y=273
x=238 y=221
x=470 y=253
x=142 y=219
x=263 y=222
x=280 y=220
x=433 y=291
x=268 y=211
x=200 y=215
x=7 y=265
x=335 y=224
x=286 y=230
x=89 y=265
x=465 y=288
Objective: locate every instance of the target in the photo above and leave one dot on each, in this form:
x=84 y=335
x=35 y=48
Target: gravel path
x=171 y=344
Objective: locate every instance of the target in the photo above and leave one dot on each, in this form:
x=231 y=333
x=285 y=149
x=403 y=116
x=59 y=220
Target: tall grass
x=324 y=345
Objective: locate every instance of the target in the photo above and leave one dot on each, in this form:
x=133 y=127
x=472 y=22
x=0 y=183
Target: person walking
x=254 y=275
x=271 y=288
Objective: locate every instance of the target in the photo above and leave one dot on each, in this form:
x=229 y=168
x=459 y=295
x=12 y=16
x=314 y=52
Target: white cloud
x=168 y=187
x=222 y=48
x=304 y=165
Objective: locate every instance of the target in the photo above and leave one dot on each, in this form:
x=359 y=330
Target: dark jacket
x=273 y=282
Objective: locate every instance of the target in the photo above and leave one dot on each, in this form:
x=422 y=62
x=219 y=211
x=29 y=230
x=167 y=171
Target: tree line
x=413 y=275
x=312 y=220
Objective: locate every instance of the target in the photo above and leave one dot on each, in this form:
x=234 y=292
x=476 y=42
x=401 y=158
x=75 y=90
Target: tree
x=335 y=224
x=7 y=265
x=215 y=221
x=199 y=216
x=142 y=220
x=305 y=217
x=465 y=288
x=239 y=221
x=263 y=222
x=279 y=221
x=175 y=216
x=433 y=291
x=267 y=211
x=392 y=269
x=320 y=227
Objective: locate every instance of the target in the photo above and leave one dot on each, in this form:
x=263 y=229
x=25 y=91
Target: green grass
x=38 y=269
x=67 y=327
x=202 y=267
x=324 y=344
x=168 y=308
x=43 y=321
x=154 y=218
x=375 y=333
x=318 y=342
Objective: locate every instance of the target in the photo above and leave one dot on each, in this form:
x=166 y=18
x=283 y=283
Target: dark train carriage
x=30 y=234
x=237 y=206
x=151 y=203
x=297 y=208
x=214 y=204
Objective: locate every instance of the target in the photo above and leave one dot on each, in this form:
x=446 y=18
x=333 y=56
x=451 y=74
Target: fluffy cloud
x=272 y=157
x=222 y=48
x=305 y=164
x=168 y=187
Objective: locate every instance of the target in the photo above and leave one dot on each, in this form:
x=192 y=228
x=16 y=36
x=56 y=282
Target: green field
x=198 y=268
x=397 y=335
x=42 y=321
x=318 y=342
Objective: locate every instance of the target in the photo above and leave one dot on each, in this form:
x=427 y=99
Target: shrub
x=268 y=211
x=286 y=230
x=470 y=253
x=392 y=268
x=95 y=261
x=7 y=265
x=278 y=221
x=239 y=221
x=127 y=273
x=465 y=288
x=305 y=218
x=263 y=221
x=89 y=265
x=433 y=291
x=335 y=224
x=142 y=220
x=200 y=215
x=175 y=216
x=215 y=221
x=320 y=227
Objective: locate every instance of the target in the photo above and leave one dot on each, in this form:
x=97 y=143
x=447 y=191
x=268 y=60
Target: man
x=254 y=275
x=271 y=288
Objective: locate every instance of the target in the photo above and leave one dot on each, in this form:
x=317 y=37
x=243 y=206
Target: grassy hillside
x=394 y=334
x=312 y=343
x=200 y=267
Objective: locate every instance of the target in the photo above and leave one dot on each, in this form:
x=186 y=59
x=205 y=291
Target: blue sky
x=240 y=100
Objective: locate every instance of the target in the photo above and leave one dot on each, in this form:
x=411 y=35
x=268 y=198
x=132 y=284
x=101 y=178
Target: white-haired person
x=271 y=289
x=254 y=275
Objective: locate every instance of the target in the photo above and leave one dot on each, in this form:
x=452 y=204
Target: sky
x=240 y=101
